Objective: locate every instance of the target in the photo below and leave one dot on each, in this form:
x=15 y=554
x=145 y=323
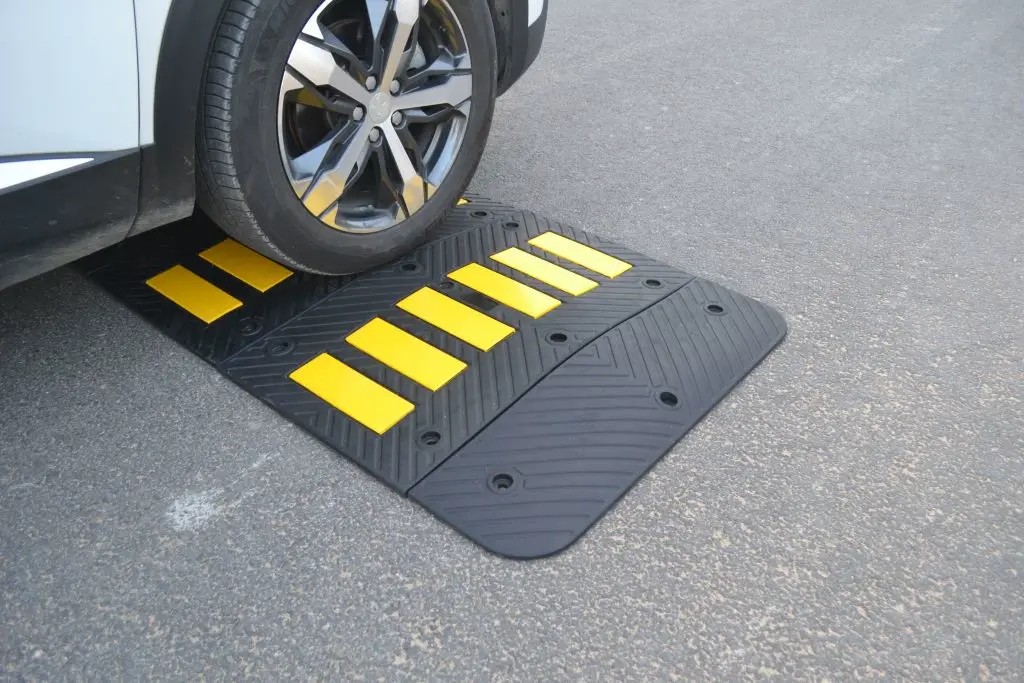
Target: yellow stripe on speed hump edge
x=245 y=264
x=353 y=393
x=580 y=254
x=545 y=271
x=456 y=318
x=197 y=296
x=409 y=355
x=505 y=290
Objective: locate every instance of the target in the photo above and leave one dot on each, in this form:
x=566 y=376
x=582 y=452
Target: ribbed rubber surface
x=536 y=438
x=493 y=381
x=591 y=429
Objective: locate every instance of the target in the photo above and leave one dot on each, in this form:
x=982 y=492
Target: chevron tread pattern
x=577 y=441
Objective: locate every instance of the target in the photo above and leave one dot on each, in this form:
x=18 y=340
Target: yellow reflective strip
x=197 y=296
x=463 y=201
x=353 y=393
x=456 y=318
x=545 y=271
x=251 y=268
x=505 y=290
x=399 y=350
x=580 y=254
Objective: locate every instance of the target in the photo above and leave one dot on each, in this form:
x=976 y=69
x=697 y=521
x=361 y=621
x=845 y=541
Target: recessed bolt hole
x=714 y=309
x=558 y=337
x=281 y=348
x=668 y=399
x=430 y=438
x=445 y=285
x=652 y=283
x=479 y=214
x=250 y=326
x=511 y=225
x=410 y=267
x=502 y=482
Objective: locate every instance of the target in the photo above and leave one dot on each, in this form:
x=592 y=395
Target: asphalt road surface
x=855 y=510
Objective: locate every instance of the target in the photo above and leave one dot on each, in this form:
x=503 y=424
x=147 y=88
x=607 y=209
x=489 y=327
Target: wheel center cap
x=380 y=107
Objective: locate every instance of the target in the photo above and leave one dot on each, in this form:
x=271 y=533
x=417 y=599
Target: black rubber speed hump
x=514 y=376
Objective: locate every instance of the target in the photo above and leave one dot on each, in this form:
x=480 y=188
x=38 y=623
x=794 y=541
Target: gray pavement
x=855 y=510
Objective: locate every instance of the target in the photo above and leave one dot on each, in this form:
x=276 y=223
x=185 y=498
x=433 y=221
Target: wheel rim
x=372 y=109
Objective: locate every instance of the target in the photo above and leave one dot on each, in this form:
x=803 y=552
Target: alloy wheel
x=373 y=107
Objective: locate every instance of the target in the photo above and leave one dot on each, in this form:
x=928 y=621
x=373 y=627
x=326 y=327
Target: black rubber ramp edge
x=538 y=437
x=550 y=466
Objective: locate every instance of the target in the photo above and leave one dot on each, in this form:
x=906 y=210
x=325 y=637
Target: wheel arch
x=168 y=177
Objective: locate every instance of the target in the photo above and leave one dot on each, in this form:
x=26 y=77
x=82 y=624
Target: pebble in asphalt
x=854 y=510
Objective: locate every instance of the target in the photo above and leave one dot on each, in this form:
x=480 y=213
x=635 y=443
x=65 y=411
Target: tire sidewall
x=280 y=215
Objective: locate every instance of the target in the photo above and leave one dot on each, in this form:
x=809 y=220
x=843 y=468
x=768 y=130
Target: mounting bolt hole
x=410 y=267
x=558 y=337
x=714 y=309
x=479 y=214
x=250 y=326
x=445 y=285
x=651 y=283
x=511 y=225
x=280 y=348
x=668 y=399
x=502 y=482
x=430 y=438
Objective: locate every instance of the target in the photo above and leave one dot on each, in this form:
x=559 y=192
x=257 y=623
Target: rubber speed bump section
x=253 y=269
x=401 y=351
x=580 y=254
x=357 y=396
x=197 y=296
x=456 y=318
x=545 y=271
x=535 y=479
x=505 y=290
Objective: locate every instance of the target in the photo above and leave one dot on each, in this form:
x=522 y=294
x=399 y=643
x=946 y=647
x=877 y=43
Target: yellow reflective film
x=545 y=271
x=197 y=296
x=353 y=393
x=245 y=264
x=505 y=290
x=580 y=254
x=409 y=355
x=463 y=201
x=456 y=318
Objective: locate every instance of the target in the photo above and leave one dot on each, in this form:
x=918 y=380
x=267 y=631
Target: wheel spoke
x=326 y=40
x=411 y=146
x=433 y=118
x=453 y=92
x=315 y=64
x=330 y=180
x=407 y=14
x=443 y=65
x=415 y=190
x=310 y=96
x=389 y=186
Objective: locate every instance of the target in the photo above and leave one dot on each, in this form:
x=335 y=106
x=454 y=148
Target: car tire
x=243 y=183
